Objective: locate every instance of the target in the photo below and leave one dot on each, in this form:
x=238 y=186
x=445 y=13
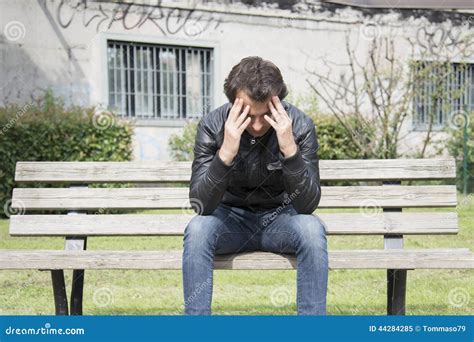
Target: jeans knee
x=200 y=232
x=310 y=232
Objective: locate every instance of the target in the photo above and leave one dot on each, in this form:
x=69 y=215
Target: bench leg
x=76 y=243
x=59 y=291
x=77 y=291
x=396 y=291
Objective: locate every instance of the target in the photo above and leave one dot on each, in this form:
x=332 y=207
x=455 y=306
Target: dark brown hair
x=259 y=78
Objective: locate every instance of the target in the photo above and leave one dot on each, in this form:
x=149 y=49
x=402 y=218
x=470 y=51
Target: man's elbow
x=308 y=206
x=207 y=210
x=200 y=205
x=305 y=209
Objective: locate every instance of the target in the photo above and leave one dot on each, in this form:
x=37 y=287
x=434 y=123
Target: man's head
x=256 y=81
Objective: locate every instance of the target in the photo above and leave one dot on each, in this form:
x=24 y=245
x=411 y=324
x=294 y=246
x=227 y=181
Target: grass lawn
x=350 y=292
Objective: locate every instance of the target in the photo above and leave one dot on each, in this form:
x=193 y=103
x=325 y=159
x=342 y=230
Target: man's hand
x=282 y=124
x=235 y=125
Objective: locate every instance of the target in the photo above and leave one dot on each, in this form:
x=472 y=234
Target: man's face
x=258 y=126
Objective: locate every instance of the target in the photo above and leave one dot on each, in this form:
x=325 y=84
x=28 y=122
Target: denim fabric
x=229 y=230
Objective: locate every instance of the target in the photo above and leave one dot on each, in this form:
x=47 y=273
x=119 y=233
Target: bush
x=182 y=145
x=47 y=130
x=334 y=141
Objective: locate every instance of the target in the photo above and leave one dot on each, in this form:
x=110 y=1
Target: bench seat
x=459 y=258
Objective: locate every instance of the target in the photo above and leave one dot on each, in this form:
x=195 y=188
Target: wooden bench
x=382 y=189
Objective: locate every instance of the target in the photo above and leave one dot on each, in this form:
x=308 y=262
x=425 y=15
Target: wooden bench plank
x=388 y=169
x=171 y=224
x=171 y=171
x=171 y=260
x=156 y=198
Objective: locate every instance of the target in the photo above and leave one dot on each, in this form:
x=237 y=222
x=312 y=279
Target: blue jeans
x=235 y=230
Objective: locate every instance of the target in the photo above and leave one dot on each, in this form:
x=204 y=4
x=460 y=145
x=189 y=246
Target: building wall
x=61 y=45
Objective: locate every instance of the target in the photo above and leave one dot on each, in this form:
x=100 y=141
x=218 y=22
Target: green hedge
x=182 y=145
x=47 y=130
x=334 y=140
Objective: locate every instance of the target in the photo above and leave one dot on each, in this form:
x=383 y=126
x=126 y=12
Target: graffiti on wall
x=438 y=39
x=130 y=16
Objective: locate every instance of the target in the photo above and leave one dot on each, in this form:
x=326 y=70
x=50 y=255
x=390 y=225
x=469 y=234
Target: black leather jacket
x=260 y=178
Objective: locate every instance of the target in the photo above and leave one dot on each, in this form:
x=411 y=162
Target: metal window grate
x=159 y=82
x=441 y=89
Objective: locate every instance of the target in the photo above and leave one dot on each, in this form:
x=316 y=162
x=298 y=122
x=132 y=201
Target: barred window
x=159 y=82
x=441 y=89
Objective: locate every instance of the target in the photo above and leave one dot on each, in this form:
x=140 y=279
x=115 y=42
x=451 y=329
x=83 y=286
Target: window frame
x=419 y=126
x=152 y=40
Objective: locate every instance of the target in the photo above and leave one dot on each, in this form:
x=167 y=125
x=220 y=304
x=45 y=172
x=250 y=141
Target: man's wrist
x=226 y=158
x=293 y=164
x=290 y=152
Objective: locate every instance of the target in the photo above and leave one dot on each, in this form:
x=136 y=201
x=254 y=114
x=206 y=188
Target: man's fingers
x=244 y=125
x=242 y=116
x=270 y=121
x=275 y=112
x=236 y=108
x=279 y=107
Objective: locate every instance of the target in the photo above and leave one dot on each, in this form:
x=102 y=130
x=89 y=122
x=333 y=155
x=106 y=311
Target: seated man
x=254 y=185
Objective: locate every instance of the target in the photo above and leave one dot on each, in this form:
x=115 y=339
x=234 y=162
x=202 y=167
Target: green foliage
x=182 y=145
x=47 y=130
x=334 y=140
x=455 y=146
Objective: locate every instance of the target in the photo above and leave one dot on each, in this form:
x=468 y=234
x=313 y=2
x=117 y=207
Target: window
x=440 y=90
x=159 y=82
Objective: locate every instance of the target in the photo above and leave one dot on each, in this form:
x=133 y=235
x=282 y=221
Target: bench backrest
x=159 y=185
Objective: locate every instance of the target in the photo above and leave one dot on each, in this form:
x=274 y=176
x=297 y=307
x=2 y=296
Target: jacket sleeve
x=301 y=173
x=210 y=176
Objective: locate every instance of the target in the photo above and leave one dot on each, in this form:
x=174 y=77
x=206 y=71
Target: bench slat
x=156 y=198
x=171 y=171
x=170 y=260
x=171 y=224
